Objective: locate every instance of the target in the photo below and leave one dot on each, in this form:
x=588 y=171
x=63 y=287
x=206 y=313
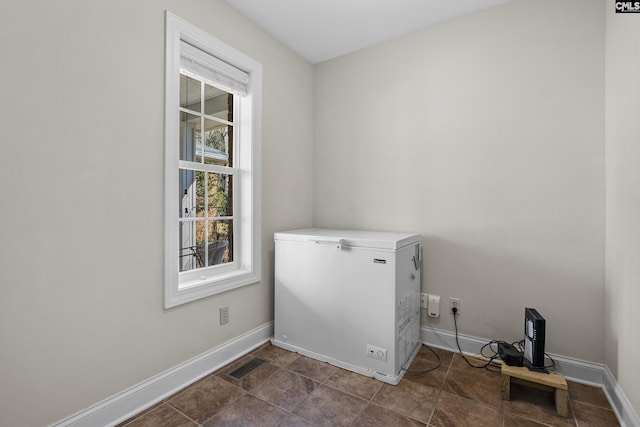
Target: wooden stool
x=553 y=381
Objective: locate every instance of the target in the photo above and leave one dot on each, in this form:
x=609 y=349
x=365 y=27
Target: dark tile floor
x=293 y=390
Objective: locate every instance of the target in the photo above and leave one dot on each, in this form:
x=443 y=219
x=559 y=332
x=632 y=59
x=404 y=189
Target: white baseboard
x=621 y=406
x=579 y=371
x=124 y=405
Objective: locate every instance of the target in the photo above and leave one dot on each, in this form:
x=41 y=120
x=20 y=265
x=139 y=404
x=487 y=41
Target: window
x=211 y=146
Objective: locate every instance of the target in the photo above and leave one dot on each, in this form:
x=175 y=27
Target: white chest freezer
x=350 y=298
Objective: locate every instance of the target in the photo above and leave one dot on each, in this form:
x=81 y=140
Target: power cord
x=489 y=363
x=422 y=371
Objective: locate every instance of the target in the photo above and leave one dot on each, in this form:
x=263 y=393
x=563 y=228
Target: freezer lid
x=354 y=238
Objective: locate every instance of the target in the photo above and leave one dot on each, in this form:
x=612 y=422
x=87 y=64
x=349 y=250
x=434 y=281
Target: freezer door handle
x=337 y=243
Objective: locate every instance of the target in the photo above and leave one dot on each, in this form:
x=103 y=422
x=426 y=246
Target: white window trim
x=248 y=239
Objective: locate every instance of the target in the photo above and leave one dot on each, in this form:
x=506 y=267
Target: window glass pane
x=220 y=242
x=188 y=129
x=219 y=193
x=190 y=93
x=218 y=103
x=217 y=140
x=191 y=255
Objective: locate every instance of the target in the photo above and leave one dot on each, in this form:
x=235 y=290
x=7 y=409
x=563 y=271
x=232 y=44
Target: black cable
x=520 y=346
x=421 y=371
x=553 y=362
x=491 y=359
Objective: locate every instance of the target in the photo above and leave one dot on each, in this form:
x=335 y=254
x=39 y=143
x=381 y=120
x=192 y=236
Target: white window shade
x=208 y=67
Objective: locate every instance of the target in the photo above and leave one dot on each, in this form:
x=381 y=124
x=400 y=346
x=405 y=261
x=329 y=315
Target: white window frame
x=245 y=269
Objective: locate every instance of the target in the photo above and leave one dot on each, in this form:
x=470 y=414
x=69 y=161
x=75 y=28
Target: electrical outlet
x=224 y=315
x=455 y=303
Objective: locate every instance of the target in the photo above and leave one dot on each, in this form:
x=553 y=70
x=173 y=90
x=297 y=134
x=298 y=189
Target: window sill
x=200 y=288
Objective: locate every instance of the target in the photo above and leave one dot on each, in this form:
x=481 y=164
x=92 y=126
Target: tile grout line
x=573 y=412
x=227 y=405
x=286 y=368
x=251 y=393
x=183 y=414
x=324 y=383
x=484 y=404
x=440 y=390
x=591 y=404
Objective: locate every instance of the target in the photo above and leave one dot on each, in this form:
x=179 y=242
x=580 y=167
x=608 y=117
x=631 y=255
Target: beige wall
x=81 y=158
x=622 y=347
x=484 y=135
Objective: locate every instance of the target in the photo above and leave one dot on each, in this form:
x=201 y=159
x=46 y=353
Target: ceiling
x=319 y=30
